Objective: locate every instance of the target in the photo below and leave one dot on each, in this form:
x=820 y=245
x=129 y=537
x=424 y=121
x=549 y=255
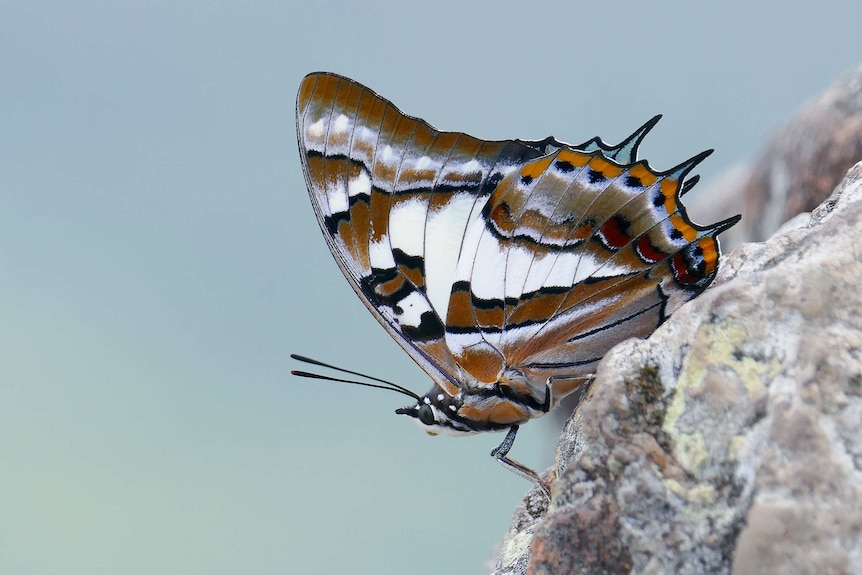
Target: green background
x=159 y=260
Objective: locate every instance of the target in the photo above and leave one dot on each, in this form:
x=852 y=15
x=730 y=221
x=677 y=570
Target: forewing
x=393 y=197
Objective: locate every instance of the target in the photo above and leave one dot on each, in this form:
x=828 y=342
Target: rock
x=730 y=441
x=800 y=166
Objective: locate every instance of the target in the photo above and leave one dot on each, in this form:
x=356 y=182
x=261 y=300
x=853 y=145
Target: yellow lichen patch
x=715 y=345
x=736 y=444
x=703 y=494
x=514 y=548
x=674 y=487
x=691 y=452
x=723 y=340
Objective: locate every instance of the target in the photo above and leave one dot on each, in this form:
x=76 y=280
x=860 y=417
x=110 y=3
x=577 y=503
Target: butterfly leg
x=500 y=454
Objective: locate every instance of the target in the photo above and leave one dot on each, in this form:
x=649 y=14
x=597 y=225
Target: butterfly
x=505 y=269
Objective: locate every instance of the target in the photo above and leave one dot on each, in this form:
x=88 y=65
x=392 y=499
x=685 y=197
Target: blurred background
x=160 y=260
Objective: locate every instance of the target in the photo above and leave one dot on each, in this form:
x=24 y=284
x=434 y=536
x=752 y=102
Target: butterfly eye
x=426 y=415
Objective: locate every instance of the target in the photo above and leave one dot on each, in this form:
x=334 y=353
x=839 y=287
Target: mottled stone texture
x=730 y=441
x=800 y=166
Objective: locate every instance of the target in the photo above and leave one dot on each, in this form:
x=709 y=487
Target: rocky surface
x=730 y=441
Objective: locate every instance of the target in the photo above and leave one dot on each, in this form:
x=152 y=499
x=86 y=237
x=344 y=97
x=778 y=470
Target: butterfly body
x=505 y=269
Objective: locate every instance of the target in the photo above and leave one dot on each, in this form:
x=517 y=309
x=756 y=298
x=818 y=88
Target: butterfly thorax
x=475 y=409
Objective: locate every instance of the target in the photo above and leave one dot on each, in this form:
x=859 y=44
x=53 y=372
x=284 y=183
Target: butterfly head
x=436 y=413
x=466 y=411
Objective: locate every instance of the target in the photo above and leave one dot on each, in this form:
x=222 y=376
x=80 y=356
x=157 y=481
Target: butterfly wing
x=392 y=196
x=485 y=258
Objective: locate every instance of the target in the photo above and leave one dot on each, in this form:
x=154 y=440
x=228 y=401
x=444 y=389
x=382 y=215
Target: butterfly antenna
x=389 y=385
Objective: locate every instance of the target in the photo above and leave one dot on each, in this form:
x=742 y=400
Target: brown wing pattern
x=392 y=196
x=497 y=262
x=592 y=252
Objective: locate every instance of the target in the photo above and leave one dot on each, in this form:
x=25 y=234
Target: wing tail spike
x=679 y=171
x=592 y=145
x=626 y=151
x=628 y=148
x=725 y=225
x=689 y=184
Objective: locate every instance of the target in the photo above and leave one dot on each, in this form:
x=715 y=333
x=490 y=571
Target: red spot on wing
x=613 y=233
x=647 y=252
x=681 y=271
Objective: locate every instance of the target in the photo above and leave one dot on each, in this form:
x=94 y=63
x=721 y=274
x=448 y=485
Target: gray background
x=159 y=260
